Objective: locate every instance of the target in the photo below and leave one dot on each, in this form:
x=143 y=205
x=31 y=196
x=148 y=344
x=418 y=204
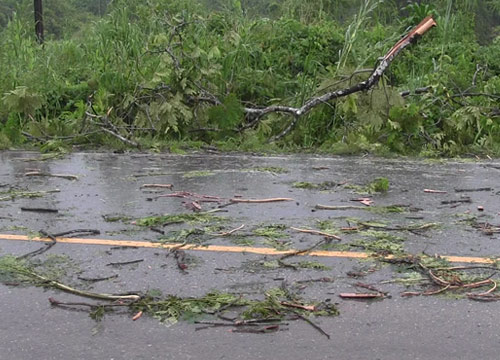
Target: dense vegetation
x=165 y=74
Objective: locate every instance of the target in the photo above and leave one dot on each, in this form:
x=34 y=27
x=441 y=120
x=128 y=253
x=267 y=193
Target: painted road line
x=229 y=249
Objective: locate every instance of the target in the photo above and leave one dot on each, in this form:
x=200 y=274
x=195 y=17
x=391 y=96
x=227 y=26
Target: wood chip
x=137 y=316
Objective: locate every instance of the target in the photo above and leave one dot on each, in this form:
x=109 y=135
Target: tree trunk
x=38 y=20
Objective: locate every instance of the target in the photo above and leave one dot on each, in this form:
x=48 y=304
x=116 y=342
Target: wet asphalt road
x=423 y=327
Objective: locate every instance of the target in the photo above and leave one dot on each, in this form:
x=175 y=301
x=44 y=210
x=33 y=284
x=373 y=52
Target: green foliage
x=170 y=309
x=165 y=72
x=21 y=100
x=177 y=218
x=227 y=115
x=379 y=185
x=14 y=270
x=272 y=231
x=12 y=129
x=380 y=242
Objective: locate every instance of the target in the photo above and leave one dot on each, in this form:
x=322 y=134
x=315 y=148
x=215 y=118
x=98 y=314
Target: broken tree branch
x=374 y=77
x=108 y=124
x=55 y=284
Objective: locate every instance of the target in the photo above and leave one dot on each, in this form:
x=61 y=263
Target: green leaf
x=214 y=53
x=227 y=115
x=22 y=100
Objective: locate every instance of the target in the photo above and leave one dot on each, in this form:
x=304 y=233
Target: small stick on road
x=55 y=302
x=125 y=263
x=301 y=252
x=316 y=232
x=75 y=232
x=472 y=190
x=44 y=210
x=370 y=287
x=435 y=191
x=137 y=316
x=97 y=279
x=299 y=306
x=310 y=322
x=339 y=207
x=361 y=295
x=163 y=186
x=63 y=176
x=227 y=233
x=259 y=201
x=458 y=201
x=42 y=249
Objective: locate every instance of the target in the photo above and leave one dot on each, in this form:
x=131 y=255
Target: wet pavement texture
x=111 y=186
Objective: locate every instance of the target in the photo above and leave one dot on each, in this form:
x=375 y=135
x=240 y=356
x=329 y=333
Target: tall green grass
x=145 y=64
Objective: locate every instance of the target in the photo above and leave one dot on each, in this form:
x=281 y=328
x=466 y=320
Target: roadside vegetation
x=175 y=75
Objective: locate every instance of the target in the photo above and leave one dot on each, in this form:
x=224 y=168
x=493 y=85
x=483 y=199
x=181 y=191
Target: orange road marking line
x=231 y=249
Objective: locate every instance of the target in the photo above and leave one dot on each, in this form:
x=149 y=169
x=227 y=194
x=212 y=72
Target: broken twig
x=42 y=249
x=361 y=295
x=258 y=201
x=299 y=306
x=163 y=186
x=473 y=190
x=125 y=262
x=44 y=210
x=316 y=232
x=227 y=233
x=93 y=280
x=339 y=207
x=310 y=322
x=62 y=176
x=435 y=191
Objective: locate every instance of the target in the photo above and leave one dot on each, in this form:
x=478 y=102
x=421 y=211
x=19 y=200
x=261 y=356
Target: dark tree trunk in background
x=39 y=21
